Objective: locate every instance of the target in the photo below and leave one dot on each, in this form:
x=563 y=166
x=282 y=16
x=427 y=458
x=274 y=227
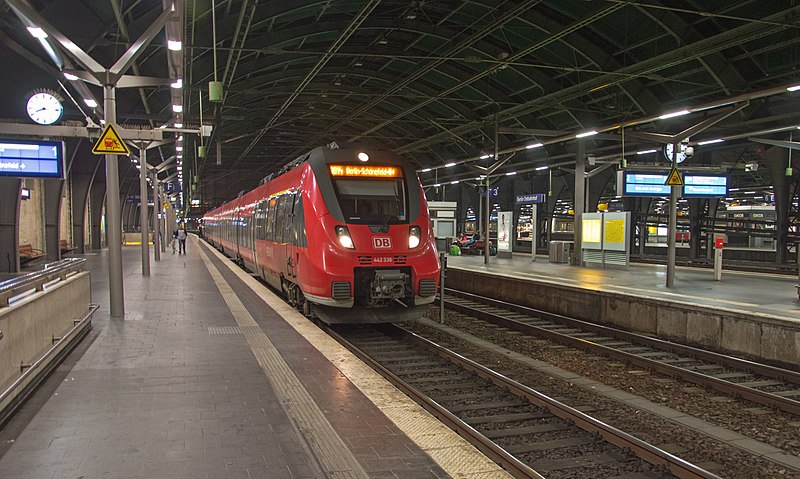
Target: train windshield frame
x=372 y=200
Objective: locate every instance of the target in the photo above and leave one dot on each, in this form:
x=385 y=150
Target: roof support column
x=673 y=220
x=143 y=213
x=578 y=202
x=156 y=211
x=113 y=214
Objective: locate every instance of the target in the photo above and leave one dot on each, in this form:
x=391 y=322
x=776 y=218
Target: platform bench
x=65 y=247
x=28 y=253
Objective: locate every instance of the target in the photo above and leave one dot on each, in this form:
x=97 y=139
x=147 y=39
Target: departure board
x=705 y=185
x=645 y=184
x=32 y=158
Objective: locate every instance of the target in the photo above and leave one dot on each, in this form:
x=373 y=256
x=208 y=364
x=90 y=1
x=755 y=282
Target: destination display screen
x=705 y=185
x=365 y=171
x=645 y=184
x=34 y=159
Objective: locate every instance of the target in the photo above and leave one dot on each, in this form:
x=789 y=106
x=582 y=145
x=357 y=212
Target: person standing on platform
x=182 y=239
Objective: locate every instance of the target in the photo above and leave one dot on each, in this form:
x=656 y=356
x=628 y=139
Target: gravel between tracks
x=778 y=429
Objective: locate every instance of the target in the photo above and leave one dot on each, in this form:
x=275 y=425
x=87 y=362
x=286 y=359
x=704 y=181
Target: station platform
x=210 y=375
x=749 y=292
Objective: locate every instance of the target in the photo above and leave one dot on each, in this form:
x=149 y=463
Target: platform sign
x=110 y=143
x=530 y=199
x=32 y=158
x=638 y=183
x=705 y=186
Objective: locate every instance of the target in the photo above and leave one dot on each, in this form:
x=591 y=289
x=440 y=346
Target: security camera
x=689 y=151
x=751 y=167
x=592 y=159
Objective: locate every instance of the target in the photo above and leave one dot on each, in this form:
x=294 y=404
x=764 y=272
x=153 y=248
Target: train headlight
x=344 y=237
x=414 y=235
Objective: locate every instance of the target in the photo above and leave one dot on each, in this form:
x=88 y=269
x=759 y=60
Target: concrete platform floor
x=764 y=293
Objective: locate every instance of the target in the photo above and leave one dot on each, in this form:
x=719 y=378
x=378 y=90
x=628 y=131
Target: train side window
x=271 y=220
x=299 y=221
x=289 y=220
x=280 y=206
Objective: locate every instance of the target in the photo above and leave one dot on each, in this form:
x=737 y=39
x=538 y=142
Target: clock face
x=44 y=108
x=668 y=152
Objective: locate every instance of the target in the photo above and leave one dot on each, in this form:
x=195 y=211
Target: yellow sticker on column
x=110 y=143
x=674 y=178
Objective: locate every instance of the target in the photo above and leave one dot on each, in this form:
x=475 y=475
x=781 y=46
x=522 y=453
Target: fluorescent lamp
x=533 y=145
x=511 y=173
x=174 y=45
x=450 y=164
x=644 y=152
x=70 y=76
x=425 y=170
x=708 y=142
x=177 y=83
x=90 y=102
x=540 y=168
x=437 y=185
x=483 y=157
x=749 y=192
x=177 y=108
x=673 y=114
x=455 y=182
x=37 y=32
x=178 y=148
x=585 y=134
x=791 y=88
x=178 y=125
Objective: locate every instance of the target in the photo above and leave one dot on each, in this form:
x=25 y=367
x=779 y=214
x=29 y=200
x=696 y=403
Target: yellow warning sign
x=110 y=143
x=674 y=178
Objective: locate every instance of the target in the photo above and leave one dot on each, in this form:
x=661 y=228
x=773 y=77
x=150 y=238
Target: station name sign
x=638 y=183
x=366 y=171
x=32 y=159
x=530 y=199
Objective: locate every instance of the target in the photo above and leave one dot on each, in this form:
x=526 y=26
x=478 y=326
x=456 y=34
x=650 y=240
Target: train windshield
x=372 y=201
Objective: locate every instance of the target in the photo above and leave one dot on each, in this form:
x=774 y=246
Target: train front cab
x=380 y=257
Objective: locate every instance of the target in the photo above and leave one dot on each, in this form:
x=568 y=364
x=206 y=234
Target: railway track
x=763 y=384
x=528 y=433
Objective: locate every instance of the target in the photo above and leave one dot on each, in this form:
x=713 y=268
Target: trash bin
x=559 y=251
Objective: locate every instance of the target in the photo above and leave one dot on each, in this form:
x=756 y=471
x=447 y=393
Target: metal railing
x=36 y=280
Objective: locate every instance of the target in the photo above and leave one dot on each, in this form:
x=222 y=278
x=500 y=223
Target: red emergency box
x=719 y=243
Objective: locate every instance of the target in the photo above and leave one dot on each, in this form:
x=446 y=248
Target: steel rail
x=782 y=403
x=508 y=462
x=641 y=449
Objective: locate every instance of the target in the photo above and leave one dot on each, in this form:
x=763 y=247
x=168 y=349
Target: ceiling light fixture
x=673 y=114
x=425 y=170
x=70 y=76
x=174 y=45
x=791 y=88
x=534 y=145
x=709 y=142
x=178 y=125
x=90 y=102
x=540 y=168
x=177 y=108
x=511 y=173
x=585 y=134
x=644 y=152
x=450 y=164
x=177 y=83
x=37 y=32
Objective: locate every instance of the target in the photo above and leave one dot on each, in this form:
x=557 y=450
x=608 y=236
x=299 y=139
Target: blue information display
x=530 y=199
x=705 y=185
x=32 y=158
x=638 y=183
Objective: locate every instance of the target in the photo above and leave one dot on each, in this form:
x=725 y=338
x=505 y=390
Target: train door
x=290 y=240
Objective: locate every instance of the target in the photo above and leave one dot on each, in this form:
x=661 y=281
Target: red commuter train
x=344 y=232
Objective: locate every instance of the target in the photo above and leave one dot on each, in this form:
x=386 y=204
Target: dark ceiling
x=427 y=78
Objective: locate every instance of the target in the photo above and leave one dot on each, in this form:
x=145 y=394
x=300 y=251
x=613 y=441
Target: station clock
x=44 y=108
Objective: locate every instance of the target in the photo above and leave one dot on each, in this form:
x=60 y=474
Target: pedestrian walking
x=182 y=239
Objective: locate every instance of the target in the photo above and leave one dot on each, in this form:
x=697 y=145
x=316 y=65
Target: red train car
x=344 y=232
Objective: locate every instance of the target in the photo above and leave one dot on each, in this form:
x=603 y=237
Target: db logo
x=381 y=242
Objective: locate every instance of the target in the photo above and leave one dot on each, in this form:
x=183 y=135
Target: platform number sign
x=381 y=242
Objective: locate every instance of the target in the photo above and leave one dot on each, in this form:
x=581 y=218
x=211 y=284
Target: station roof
x=426 y=78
